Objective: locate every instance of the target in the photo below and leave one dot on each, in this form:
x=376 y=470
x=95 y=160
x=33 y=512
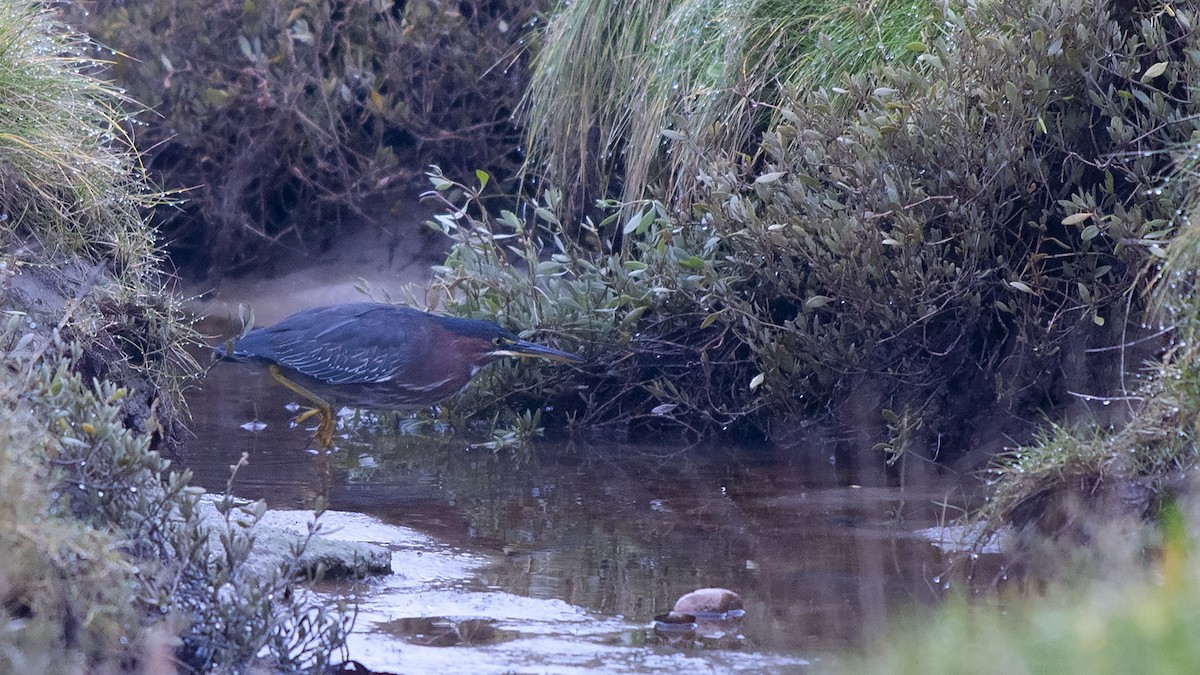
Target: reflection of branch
x=1105 y=399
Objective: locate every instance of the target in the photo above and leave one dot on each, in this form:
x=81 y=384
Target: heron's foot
x=304 y=416
x=324 y=432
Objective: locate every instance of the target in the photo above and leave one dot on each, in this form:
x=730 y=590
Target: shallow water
x=556 y=558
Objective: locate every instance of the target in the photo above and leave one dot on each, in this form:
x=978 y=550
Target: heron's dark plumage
x=380 y=355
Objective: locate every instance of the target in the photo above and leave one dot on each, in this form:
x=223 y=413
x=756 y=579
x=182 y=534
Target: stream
x=555 y=558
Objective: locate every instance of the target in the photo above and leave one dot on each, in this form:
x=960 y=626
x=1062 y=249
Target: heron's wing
x=345 y=344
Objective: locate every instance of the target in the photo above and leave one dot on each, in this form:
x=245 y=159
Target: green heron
x=374 y=355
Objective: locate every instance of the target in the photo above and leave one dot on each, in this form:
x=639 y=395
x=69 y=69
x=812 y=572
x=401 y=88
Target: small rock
x=274 y=540
x=710 y=614
x=705 y=601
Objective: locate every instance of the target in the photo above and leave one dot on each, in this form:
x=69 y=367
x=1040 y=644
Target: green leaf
x=633 y=315
x=1011 y=93
x=1154 y=71
x=548 y=268
x=483 y=178
x=1090 y=232
x=510 y=219
x=916 y=47
x=1077 y=218
x=757 y=381
x=769 y=177
x=817 y=301
x=1021 y=286
x=633 y=223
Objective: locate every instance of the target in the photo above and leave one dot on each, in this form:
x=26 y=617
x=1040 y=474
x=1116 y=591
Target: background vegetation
x=947 y=234
x=1129 y=616
x=277 y=121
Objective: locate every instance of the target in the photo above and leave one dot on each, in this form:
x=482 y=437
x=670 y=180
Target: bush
x=106 y=560
x=274 y=121
x=949 y=234
x=108 y=554
x=653 y=360
x=966 y=230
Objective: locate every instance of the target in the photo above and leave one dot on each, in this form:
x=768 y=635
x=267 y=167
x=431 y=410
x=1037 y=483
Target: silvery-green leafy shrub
x=948 y=232
x=108 y=563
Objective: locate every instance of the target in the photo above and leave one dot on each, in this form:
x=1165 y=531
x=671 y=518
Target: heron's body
x=379 y=356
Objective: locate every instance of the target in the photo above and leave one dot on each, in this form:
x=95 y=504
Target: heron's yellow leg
x=325 y=429
x=303 y=417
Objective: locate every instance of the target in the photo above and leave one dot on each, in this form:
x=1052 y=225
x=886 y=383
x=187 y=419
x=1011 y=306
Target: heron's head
x=482 y=341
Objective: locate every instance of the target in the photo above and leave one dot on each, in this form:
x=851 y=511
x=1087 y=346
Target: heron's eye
x=498 y=341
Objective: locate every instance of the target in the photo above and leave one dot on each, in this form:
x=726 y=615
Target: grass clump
x=75 y=252
x=1135 y=620
x=612 y=82
x=65 y=184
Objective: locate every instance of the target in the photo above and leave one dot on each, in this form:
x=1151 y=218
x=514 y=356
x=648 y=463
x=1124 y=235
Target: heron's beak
x=530 y=349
